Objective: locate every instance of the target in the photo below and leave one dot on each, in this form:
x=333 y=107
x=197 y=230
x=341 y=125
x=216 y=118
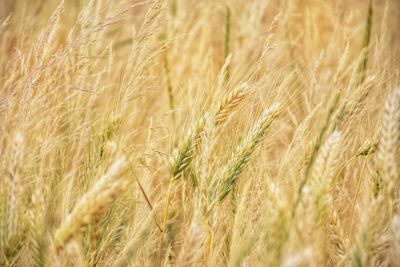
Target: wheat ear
x=327 y=158
x=323 y=173
x=181 y=161
x=314 y=152
x=92 y=204
x=15 y=185
x=389 y=142
x=243 y=153
x=325 y=214
x=230 y=102
x=184 y=154
x=372 y=233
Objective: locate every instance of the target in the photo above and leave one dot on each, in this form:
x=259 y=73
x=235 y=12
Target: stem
x=227 y=40
x=362 y=68
x=166 y=208
x=209 y=241
x=147 y=199
x=169 y=86
x=166 y=211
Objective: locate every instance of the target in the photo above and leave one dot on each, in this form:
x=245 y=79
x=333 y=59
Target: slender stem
x=362 y=68
x=169 y=86
x=166 y=211
x=209 y=240
x=167 y=203
x=227 y=48
x=147 y=199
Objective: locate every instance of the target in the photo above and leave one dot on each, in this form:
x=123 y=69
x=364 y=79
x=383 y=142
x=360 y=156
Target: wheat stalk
x=227 y=40
x=362 y=68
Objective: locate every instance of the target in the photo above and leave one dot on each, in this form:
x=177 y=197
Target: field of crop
x=200 y=133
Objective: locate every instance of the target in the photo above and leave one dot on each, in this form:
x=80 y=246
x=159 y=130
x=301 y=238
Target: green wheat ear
x=244 y=151
x=183 y=156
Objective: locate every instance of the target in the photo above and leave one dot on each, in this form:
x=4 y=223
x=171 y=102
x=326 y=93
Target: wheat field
x=200 y=133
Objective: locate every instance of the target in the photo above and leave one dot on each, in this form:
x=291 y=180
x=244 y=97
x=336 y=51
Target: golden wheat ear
x=230 y=102
x=389 y=142
x=92 y=204
x=326 y=161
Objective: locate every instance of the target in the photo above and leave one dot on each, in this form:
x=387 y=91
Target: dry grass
x=199 y=133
